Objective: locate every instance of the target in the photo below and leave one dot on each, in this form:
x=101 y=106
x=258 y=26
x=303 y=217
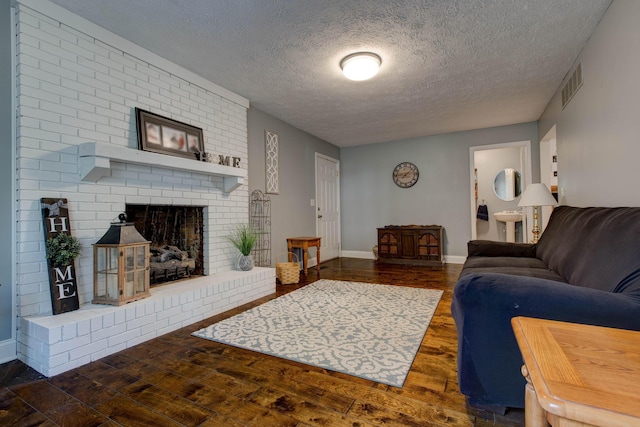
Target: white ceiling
x=447 y=65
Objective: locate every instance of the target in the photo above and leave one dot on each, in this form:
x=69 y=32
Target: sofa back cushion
x=594 y=247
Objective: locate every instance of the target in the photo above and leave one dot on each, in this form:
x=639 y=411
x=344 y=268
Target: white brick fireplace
x=77 y=87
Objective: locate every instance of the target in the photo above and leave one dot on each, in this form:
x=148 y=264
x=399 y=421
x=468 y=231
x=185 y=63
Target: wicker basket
x=288 y=272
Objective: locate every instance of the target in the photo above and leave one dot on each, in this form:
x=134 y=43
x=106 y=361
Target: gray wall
x=441 y=196
x=6 y=179
x=598 y=132
x=291 y=212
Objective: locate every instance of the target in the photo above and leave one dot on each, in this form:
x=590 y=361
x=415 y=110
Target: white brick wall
x=74 y=88
x=77 y=83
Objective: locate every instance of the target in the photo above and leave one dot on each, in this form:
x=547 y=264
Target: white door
x=328 y=206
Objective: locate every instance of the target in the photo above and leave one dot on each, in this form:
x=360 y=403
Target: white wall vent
x=571 y=87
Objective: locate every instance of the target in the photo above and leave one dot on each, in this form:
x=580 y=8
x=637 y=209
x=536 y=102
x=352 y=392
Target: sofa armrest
x=492 y=248
x=489 y=360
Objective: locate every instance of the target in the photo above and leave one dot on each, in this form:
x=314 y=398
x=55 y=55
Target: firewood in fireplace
x=169 y=263
x=166 y=253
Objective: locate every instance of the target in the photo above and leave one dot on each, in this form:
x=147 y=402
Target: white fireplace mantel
x=94 y=162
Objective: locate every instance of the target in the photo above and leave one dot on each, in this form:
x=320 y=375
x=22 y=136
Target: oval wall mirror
x=507 y=184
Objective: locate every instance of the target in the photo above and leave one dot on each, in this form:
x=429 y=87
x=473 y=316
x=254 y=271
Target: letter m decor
x=62 y=280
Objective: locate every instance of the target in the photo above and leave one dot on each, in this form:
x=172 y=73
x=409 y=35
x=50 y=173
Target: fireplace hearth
x=176 y=236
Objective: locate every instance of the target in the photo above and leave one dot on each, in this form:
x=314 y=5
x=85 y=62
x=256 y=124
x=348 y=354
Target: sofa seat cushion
x=518 y=266
x=500 y=249
x=538 y=273
x=503 y=261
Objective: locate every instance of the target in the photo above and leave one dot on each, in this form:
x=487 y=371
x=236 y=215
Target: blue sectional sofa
x=584 y=269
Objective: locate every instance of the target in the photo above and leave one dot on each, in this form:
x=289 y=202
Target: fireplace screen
x=176 y=236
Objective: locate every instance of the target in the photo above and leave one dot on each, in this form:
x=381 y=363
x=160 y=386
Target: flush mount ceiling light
x=360 y=66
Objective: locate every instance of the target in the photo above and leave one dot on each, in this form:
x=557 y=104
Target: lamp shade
x=360 y=66
x=537 y=195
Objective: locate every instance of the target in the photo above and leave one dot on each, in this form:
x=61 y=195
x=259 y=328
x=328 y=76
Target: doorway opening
x=488 y=164
x=549 y=170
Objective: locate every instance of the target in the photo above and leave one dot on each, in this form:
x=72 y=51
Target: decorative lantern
x=120 y=265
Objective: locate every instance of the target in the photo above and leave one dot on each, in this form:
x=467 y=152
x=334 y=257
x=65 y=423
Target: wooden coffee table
x=579 y=375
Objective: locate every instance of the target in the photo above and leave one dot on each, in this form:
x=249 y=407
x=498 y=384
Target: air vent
x=573 y=84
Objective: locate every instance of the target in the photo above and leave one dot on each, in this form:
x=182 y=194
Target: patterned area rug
x=366 y=330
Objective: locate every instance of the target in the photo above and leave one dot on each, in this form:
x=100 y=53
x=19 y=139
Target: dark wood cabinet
x=411 y=244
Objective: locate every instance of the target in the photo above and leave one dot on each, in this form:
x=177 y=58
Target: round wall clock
x=405 y=175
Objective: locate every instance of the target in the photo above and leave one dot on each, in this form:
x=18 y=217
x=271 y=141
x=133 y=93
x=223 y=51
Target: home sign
x=62 y=278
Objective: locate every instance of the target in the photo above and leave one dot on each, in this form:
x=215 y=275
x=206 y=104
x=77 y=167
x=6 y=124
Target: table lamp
x=537 y=195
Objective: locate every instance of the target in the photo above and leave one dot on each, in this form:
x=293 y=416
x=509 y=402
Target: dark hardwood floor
x=180 y=380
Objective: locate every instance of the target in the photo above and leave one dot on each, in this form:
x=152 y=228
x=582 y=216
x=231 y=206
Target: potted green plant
x=62 y=250
x=244 y=238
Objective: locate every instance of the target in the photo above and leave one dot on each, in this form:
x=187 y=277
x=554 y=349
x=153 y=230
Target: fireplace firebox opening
x=176 y=234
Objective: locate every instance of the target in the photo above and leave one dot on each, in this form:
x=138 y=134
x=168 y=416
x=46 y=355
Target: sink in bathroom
x=508 y=216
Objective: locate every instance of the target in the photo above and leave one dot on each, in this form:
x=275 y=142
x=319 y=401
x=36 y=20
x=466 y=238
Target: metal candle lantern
x=120 y=265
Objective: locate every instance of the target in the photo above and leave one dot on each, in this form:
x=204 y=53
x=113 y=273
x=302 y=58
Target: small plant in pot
x=62 y=250
x=244 y=238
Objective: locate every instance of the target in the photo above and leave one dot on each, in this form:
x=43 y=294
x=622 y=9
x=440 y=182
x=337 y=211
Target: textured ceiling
x=447 y=65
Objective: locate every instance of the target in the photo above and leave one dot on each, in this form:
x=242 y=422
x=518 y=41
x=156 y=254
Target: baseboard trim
x=357 y=254
x=448 y=259
x=8 y=350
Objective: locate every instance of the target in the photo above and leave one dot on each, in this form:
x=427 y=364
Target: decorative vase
x=245 y=262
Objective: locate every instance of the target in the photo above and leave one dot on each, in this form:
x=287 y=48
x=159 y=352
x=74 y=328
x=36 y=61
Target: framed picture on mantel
x=162 y=135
